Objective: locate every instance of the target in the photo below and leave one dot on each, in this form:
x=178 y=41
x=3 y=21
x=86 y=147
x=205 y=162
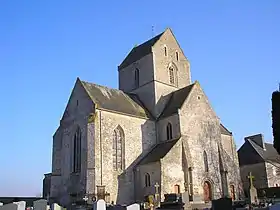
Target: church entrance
x=207 y=192
x=232 y=192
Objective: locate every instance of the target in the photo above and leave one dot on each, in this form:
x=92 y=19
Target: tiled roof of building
x=115 y=100
x=139 y=51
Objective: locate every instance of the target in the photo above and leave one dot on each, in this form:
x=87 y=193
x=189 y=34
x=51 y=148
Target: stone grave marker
x=10 y=206
x=55 y=206
x=99 y=205
x=134 y=206
x=21 y=205
x=40 y=204
x=1 y=204
x=253 y=196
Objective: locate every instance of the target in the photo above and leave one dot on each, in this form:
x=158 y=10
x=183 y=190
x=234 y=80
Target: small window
x=206 y=168
x=165 y=51
x=136 y=78
x=169 y=131
x=177 y=56
x=171 y=75
x=77 y=103
x=147 y=180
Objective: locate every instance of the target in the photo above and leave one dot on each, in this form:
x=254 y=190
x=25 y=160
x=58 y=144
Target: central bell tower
x=154 y=69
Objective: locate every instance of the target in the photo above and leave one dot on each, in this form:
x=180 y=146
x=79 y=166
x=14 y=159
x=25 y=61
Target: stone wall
x=231 y=163
x=139 y=135
x=201 y=130
x=76 y=115
x=258 y=171
x=154 y=170
x=273 y=174
x=162 y=125
x=172 y=171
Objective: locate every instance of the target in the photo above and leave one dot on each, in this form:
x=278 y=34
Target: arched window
x=77 y=151
x=136 y=78
x=205 y=162
x=147 y=180
x=171 y=75
x=118 y=149
x=169 y=131
x=165 y=51
x=177 y=56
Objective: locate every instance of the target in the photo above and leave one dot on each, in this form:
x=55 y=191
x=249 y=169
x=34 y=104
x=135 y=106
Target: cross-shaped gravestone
x=157 y=187
x=250 y=177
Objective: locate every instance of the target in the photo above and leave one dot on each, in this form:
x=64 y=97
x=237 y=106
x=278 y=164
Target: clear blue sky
x=233 y=47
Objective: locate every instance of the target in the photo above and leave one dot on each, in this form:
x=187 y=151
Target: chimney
x=257 y=139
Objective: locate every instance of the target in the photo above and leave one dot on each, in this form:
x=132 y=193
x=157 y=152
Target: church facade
x=157 y=128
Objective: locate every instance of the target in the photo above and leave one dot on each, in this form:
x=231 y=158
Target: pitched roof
x=158 y=152
x=115 y=100
x=251 y=153
x=267 y=154
x=139 y=51
x=176 y=100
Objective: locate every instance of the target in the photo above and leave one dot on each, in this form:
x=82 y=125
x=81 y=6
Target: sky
x=233 y=48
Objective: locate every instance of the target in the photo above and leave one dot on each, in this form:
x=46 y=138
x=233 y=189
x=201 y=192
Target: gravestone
x=40 y=204
x=185 y=200
x=253 y=195
x=55 y=206
x=10 y=206
x=99 y=205
x=222 y=204
x=1 y=204
x=21 y=205
x=134 y=206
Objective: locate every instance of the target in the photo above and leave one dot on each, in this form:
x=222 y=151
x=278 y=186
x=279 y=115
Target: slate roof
x=177 y=98
x=158 y=152
x=269 y=154
x=115 y=100
x=139 y=51
x=251 y=153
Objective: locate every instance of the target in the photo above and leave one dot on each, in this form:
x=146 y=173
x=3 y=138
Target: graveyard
x=171 y=201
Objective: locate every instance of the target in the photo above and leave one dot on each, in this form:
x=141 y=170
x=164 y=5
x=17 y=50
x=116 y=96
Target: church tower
x=154 y=69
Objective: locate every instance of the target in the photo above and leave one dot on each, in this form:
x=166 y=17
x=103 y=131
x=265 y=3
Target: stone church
x=158 y=128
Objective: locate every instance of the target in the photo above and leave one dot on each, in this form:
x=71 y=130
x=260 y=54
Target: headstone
x=134 y=206
x=40 y=204
x=1 y=204
x=99 y=205
x=222 y=204
x=253 y=195
x=10 y=206
x=21 y=205
x=55 y=206
x=185 y=200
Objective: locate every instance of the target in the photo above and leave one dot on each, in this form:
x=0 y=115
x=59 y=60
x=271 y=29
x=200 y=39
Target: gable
x=115 y=100
x=79 y=100
x=247 y=155
x=168 y=38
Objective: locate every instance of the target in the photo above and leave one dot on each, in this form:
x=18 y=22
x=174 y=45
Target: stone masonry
x=142 y=111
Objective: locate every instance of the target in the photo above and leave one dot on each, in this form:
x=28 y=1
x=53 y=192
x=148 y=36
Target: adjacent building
x=262 y=160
